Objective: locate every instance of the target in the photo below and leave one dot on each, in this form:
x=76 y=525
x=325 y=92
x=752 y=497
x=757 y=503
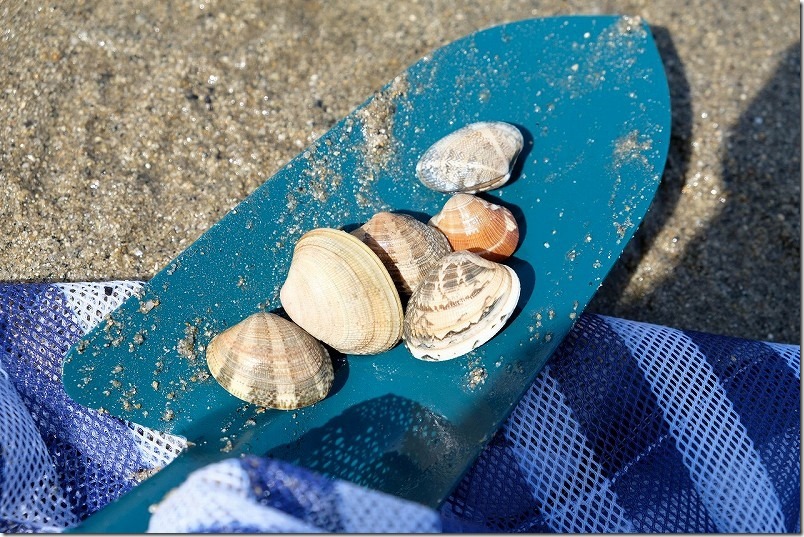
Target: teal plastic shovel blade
x=589 y=94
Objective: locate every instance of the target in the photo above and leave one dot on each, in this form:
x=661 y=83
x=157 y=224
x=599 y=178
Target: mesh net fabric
x=630 y=427
x=253 y=494
x=637 y=427
x=60 y=461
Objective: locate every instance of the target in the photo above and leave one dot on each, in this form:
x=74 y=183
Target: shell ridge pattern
x=449 y=163
x=462 y=304
x=493 y=141
x=501 y=240
x=348 y=299
x=270 y=361
x=479 y=156
x=473 y=321
x=406 y=247
x=349 y=274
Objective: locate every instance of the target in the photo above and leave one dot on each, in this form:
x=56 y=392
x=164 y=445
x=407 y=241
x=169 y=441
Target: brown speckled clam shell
x=408 y=248
x=269 y=361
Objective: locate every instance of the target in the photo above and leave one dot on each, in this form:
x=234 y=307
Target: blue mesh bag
x=630 y=427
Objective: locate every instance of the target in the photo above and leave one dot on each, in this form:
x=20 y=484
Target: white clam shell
x=338 y=290
x=461 y=304
x=269 y=361
x=474 y=158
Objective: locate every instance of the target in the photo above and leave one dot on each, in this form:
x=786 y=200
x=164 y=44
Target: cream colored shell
x=408 y=248
x=338 y=290
x=269 y=361
x=461 y=304
x=474 y=224
x=475 y=158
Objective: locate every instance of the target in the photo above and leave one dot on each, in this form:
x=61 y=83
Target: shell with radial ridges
x=271 y=362
x=340 y=292
x=462 y=303
x=474 y=158
x=472 y=223
x=407 y=247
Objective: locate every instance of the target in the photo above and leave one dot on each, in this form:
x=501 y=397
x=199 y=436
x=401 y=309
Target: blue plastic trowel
x=589 y=94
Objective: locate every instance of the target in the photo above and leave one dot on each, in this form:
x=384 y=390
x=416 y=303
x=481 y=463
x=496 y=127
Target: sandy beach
x=127 y=130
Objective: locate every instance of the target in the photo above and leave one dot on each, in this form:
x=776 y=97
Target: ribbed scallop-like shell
x=474 y=224
x=461 y=304
x=269 y=361
x=339 y=291
x=408 y=248
x=474 y=158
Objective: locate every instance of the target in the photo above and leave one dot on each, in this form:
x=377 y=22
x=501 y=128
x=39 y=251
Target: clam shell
x=474 y=224
x=461 y=304
x=269 y=361
x=475 y=158
x=339 y=291
x=408 y=248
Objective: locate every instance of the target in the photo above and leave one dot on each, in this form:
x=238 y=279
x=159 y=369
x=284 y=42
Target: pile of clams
x=438 y=286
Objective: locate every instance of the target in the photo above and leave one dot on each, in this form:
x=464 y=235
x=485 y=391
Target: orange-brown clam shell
x=474 y=224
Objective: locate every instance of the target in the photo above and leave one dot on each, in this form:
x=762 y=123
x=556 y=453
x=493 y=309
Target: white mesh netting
x=714 y=445
x=91 y=302
x=231 y=496
x=637 y=427
x=221 y=491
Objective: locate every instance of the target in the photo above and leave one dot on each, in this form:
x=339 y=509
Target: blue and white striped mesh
x=630 y=427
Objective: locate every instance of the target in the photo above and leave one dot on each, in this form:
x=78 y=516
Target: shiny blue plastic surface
x=591 y=97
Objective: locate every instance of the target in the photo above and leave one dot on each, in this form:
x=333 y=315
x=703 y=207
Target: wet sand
x=127 y=131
